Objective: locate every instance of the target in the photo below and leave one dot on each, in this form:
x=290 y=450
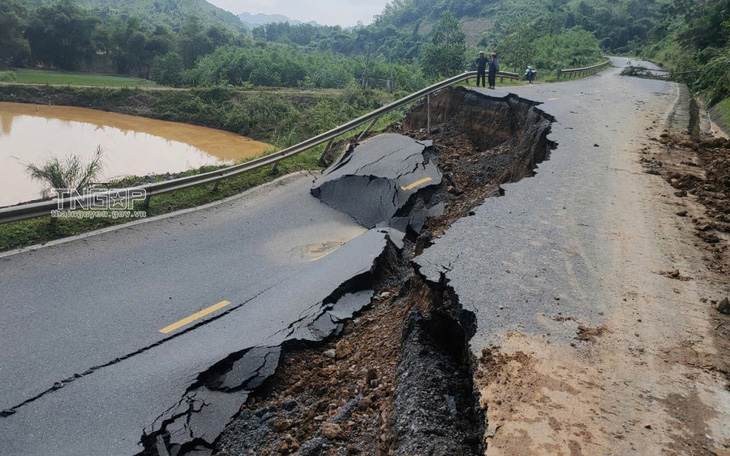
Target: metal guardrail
x=101 y=199
x=573 y=72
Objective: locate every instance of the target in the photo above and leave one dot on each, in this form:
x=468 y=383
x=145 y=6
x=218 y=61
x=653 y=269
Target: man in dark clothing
x=493 y=70
x=481 y=64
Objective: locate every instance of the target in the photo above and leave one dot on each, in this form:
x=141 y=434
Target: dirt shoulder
x=655 y=377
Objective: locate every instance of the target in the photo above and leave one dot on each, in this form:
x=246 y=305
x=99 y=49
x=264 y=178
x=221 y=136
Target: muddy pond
x=131 y=145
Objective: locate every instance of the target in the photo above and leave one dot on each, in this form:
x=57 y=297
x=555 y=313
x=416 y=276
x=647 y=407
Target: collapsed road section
x=396 y=379
x=374 y=191
x=352 y=351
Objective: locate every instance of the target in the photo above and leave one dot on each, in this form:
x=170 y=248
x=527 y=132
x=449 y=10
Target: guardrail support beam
x=215 y=186
x=146 y=202
x=325 y=157
x=368 y=128
x=428 y=113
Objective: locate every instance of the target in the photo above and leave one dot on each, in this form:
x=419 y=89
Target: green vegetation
x=7 y=76
x=71 y=173
x=66 y=78
x=189 y=43
x=171 y=13
x=693 y=39
x=278 y=118
x=724 y=108
x=446 y=55
x=282 y=119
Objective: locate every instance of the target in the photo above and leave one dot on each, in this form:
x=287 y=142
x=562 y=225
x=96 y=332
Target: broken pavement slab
x=377 y=178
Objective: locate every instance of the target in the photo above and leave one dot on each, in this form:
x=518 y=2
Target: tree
x=14 y=48
x=518 y=48
x=168 y=69
x=446 y=55
x=62 y=35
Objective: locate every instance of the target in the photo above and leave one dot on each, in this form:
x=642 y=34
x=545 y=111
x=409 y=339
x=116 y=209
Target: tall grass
x=72 y=173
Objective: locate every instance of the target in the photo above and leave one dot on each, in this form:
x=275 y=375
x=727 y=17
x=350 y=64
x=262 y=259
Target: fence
x=578 y=72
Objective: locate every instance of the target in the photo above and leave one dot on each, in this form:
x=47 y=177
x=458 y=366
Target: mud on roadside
x=699 y=171
x=399 y=379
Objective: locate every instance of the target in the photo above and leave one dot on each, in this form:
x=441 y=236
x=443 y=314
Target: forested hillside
x=412 y=42
x=172 y=13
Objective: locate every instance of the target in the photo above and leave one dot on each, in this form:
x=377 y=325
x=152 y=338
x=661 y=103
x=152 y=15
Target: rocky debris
x=589 y=334
x=333 y=431
x=193 y=424
x=332 y=403
x=723 y=306
x=676 y=275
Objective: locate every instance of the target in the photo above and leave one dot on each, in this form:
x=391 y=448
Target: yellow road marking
x=552 y=99
x=320 y=257
x=193 y=317
x=417 y=183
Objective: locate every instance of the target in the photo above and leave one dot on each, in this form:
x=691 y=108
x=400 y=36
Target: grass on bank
x=25 y=76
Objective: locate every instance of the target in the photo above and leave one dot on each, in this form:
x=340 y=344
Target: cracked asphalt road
x=540 y=240
x=117 y=336
x=275 y=255
x=79 y=305
x=584 y=346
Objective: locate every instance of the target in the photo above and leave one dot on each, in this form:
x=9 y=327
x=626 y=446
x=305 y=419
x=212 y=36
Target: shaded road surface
x=588 y=347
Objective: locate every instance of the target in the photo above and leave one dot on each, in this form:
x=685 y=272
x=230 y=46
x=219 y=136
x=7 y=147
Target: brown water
x=132 y=145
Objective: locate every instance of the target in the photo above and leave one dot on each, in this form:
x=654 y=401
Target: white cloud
x=326 y=12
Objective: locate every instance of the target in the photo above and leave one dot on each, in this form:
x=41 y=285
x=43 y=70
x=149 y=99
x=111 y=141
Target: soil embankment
x=264 y=116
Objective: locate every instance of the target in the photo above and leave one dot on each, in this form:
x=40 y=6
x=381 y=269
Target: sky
x=325 y=12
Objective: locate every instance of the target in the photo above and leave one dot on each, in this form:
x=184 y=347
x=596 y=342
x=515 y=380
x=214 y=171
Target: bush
x=7 y=76
x=168 y=69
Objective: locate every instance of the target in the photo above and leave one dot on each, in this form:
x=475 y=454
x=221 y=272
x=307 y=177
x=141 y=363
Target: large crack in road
x=433 y=405
x=406 y=186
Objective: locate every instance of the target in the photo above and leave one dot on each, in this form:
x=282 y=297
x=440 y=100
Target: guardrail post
x=324 y=158
x=215 y=186
x=146 y=202
x=368 y=128
x=275 y=168
x=428 y=113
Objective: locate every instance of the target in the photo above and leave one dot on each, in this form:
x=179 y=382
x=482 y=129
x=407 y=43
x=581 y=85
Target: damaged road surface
x=377 y=183
x=86 y=369
x=115 y=377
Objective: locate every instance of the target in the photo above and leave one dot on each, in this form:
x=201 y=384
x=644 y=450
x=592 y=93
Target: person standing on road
x=493 y=70
x=481 y=63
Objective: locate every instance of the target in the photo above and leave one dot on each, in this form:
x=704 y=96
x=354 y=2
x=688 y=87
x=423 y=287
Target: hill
x=254 y=20
x=152 y=12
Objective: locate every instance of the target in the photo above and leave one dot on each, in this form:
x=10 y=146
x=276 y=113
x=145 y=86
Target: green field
x=23 y=76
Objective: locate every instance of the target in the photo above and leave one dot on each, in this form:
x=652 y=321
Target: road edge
x=280 y=181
